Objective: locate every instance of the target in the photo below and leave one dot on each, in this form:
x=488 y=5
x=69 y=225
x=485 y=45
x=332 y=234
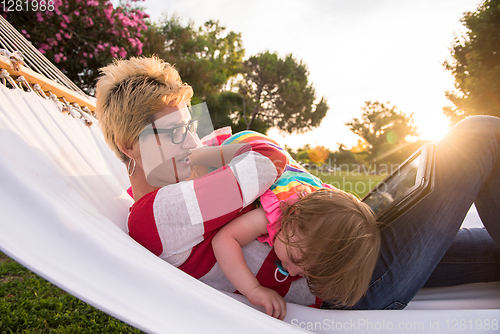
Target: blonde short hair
x=339 y=241
x=130 y=92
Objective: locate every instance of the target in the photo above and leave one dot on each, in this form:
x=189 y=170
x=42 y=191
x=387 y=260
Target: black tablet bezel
x=424 y=183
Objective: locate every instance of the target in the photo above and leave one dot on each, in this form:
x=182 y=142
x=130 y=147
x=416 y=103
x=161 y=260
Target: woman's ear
x=126 y=149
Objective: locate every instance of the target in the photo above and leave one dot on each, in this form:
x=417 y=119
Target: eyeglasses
x=177 y=134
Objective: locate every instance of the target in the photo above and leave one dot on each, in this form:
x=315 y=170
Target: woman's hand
x=273 y=303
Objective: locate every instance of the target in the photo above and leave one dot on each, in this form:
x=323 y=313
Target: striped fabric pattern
x=295 y=178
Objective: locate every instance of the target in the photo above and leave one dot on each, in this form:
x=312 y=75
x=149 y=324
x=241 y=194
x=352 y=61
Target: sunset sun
x=433 y=128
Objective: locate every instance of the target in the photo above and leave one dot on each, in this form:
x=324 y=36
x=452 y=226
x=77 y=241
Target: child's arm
x=214 y=156
x=227 y=245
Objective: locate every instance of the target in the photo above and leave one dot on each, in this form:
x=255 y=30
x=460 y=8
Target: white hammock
x=64 y=208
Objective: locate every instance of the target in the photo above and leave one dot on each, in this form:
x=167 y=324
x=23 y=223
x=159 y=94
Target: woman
x=139 y=99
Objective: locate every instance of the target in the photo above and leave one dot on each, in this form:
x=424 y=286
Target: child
x=327 y=235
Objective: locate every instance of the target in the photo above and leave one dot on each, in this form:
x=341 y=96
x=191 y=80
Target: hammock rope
x=12 y=40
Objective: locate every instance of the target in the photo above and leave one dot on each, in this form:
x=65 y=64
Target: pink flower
x=100 y=47
x=93 y=3
x=77 y=13
x=114 y=50
x=58 y=57
x=25 y=33
x=68 y=36
x=58 y=36
x=88 y=21
x=65 y=18
x=39 y=16
x=64 y=25
x=139 y=46
x=123 y=53
x=128 y=22
x=108 y=11
x=42 y=51
x=84 y=54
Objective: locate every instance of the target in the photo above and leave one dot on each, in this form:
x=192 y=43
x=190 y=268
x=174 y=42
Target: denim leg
x=413 y=245
x=472 y=257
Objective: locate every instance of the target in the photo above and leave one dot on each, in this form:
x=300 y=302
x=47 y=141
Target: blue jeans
x=425 y=247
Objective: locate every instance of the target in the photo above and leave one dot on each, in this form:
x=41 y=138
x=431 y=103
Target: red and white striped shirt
x=178 y=222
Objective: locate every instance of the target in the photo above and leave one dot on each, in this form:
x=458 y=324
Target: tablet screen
x=394 y=188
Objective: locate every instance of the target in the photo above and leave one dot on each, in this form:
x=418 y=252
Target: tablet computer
x=405 y=187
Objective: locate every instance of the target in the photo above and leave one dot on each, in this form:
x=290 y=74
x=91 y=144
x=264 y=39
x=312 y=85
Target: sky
x=356 y=51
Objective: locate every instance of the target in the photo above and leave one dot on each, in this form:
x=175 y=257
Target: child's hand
x=273 y=303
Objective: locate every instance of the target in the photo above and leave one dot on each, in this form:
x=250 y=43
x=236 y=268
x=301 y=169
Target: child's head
x=335 y=238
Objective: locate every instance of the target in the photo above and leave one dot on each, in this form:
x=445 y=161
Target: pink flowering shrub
x=80 y=36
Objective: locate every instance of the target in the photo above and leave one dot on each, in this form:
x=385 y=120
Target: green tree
x=342 y=156
x=475 y=64
x=278 y=92
x=303 y=153
x=384 y=128
x=290 y=151
x=80 y=36
x=206 y=57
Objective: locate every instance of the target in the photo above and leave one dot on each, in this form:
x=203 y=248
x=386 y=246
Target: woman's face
x=166 y=144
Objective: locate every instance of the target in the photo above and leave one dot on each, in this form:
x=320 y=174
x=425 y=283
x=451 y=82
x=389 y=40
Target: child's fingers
x=273 y=309
x=269 y=308
x=279 y=308
x=283 y=308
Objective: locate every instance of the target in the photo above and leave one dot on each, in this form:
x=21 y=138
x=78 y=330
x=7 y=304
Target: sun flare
x=433 y=128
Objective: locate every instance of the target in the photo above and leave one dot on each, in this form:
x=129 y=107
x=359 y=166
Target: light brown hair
x=339 y=242
x=130 y=92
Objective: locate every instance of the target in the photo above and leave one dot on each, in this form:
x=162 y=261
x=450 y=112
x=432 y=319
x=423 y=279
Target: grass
x=30 y=304
x=354 y=182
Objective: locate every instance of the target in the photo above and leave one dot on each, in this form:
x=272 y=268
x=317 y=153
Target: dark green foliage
x=386 y=129
x=279 y=93
x=475 y=64
x=205 y=57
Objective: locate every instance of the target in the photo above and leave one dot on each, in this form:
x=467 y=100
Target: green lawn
x=353 y=182
x=30 y=304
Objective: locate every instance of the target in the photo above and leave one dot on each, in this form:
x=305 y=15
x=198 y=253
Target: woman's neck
x=140 y=186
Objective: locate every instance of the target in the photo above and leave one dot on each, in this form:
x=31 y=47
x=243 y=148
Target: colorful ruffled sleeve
x=272 y=207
